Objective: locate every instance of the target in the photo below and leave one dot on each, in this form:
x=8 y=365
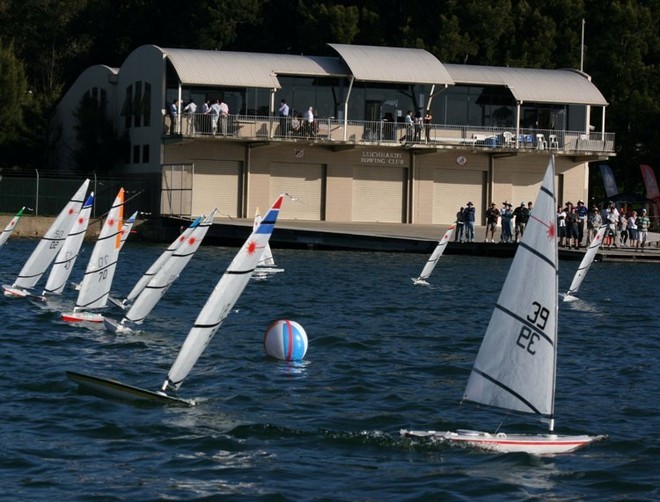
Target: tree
x=13 y=89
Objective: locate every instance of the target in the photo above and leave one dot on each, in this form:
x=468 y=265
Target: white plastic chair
x=552 y=142
x=540 y=142
x=509 y=139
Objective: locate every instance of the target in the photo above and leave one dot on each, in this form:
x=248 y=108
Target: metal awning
x=393 y=64
x=247 y=69
x=532 y=85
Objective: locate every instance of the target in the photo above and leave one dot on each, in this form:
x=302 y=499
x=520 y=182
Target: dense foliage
x=45 y=44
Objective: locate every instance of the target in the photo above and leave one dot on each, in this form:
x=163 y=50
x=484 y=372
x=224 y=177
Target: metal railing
x=254 y=127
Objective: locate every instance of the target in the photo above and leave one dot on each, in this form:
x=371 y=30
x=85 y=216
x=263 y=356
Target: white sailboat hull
x=82 y=316
x=539 y=444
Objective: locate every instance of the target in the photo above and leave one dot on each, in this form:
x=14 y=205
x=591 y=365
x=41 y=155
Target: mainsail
x=516 y=364
x=66 y=258
x=50 y=244
x=96 y=283
x=160 y=261
x=168 y=273
x=10 y=227
x=435 y=256
x=587 y=260
x=222 y=299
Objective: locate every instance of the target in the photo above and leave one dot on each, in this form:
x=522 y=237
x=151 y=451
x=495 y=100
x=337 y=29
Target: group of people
x=513 y=222
x=625 y=229
x=413 y=127
x=296 y=124
x=214 y=117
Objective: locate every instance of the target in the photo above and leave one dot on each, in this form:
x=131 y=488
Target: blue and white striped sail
x=51 y=242
x=435 y=256
x=160 y=261
x=66 y=258
x=516 y=364
x=586 y=262
x=222 y=299
x=96 y=284
x=267 y=259
x=168 y=273
x=6 y=233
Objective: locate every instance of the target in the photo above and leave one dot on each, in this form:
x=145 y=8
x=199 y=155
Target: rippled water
x=383 y=355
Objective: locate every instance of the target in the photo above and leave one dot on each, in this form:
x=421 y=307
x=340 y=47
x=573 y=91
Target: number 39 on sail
x=515 y=368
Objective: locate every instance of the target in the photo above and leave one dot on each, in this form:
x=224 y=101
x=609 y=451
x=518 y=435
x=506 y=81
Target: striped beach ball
x=285 y=340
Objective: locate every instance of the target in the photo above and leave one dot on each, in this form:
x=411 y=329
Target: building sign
x=381 y=158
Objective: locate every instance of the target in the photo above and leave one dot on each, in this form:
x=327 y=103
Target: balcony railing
x=329 y=130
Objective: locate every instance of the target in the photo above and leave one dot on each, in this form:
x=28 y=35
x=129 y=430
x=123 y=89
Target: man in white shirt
x=309 y=121
x=189 y=111
x=284 y=118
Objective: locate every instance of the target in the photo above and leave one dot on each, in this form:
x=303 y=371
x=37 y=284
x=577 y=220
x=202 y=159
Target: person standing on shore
x=582 y=212
x=594 y=222
x=643 y=223
x=458 y=237
x=492 y=217
x=468 y=222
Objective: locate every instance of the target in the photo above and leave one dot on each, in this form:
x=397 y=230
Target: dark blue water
x=383 y=355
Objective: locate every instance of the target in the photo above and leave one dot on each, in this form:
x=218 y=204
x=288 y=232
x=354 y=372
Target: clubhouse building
x=397 y=136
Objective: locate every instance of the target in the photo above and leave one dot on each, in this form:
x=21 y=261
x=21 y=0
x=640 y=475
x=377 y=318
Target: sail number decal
x=527 y=337
x=103 y=261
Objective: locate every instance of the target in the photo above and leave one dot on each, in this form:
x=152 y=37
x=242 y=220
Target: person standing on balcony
x=408 y=123
x=174 y=116
x=428 y=119
x=224 y=117
x=309 y=121
x=190 y=110
x=284 y=118
x=204 y=119
x=214 y=111
x=418 y=127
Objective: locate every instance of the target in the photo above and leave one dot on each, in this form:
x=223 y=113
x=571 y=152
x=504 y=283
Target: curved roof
x=247 y=69
x=393 y=64
x=533 y=85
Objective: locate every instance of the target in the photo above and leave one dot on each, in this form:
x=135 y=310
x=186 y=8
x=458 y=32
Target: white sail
x=516 y=364
x=169 y=272
x=160 y=261
x=66 y=258
x=96 y=283
x=222 y=299
x=50 y=244
x=126 y=229
x=10 y=227
x=435 y=256
x=586 y=262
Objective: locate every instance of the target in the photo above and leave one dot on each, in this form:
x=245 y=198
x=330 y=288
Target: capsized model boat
x=586 y=262
x=266 y=265
x=433 y=259
x=161 y=282
x=97 y=281
x=155 y=267
x=515 y=368
x=66 y=258
x=217 y=308
x=10 y=227
x=48 y=247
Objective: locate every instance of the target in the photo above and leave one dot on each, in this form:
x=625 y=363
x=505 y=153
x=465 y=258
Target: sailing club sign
x=381 y=158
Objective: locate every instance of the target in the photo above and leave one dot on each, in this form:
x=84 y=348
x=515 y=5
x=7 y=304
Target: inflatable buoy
x=285 y=340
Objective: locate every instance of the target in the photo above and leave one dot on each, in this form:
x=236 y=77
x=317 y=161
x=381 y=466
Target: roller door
x=305 y=183
x=452 y=189
x=379 y=194
x=217 y=184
